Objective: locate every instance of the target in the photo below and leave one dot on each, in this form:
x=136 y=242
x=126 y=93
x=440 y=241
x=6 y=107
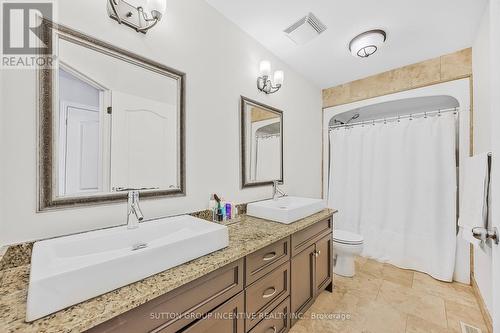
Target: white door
x=495 y=140
x=143 y=142
x=81 y=172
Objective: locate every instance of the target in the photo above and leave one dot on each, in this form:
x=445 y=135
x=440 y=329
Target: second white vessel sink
x=286 y=209
x=72 y=269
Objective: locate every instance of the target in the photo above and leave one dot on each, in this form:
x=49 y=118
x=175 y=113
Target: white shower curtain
x=268 y=164
x=395 y=184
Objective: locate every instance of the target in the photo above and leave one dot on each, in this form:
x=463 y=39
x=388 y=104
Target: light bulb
x=279 y=76
x=265 y=68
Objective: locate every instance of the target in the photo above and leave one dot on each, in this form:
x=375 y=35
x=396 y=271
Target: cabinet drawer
x=227 y=318
x=187 y=302
x=277 y=321
x=265 y=260
x=306 y=237
x=274 y=287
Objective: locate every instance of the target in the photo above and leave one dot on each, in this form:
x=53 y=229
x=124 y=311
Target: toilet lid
x=347 y=237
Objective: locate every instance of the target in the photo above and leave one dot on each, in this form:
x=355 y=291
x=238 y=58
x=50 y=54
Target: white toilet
x=346 y=245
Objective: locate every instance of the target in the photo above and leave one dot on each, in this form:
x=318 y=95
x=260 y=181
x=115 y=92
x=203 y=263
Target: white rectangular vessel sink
x=285 y=209
x=72 y=269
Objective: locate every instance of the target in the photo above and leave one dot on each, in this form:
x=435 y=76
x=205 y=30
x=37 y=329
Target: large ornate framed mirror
x=261 y=143
x=110 y=120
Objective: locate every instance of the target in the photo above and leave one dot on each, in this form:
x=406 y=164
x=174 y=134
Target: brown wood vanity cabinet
x=311 y=265
x=255 y=294
x=176 y=310
x=225 y=319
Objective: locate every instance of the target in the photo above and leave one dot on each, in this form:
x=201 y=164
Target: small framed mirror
x=110 y=121
x=261 y=143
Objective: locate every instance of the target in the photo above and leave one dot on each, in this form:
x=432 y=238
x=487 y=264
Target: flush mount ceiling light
x=367 y=43
x=140 y=18
x=305 y=29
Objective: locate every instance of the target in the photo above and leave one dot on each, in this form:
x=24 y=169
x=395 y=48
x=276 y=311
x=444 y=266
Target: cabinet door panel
x=303 y=286
x=323 y=262
x=227 y=318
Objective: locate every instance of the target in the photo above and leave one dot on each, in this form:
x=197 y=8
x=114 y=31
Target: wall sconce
x=264 y=83
x=137 y=17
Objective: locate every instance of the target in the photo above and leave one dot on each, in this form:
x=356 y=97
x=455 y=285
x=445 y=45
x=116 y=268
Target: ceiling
x=416 y=30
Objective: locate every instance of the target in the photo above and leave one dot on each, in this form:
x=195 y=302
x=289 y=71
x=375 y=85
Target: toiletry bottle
x=228 y=211
x=212 y=204
x=223 y=208
x=234 y=212
x=219 y=215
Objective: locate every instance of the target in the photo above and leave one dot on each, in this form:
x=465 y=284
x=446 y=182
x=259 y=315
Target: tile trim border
x=447 y=67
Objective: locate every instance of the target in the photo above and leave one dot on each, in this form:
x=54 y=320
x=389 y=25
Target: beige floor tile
x=372 y=268
x=424 y=306
x=396 y=275
x=351 y=314
x=362 y=285
x=382 y=298
x=379 y=317
x=456 y=292
x=418 y=325
x=457 y=312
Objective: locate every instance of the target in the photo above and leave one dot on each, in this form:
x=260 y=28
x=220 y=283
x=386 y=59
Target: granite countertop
x=3 y=249
x=245 y=237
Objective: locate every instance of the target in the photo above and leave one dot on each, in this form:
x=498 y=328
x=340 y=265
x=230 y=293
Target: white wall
x=482 y=138
x=72 y=89
x=221 y=63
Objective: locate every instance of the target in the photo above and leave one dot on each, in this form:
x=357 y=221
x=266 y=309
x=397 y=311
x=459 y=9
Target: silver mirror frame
x=46 y=178
x=243 y=102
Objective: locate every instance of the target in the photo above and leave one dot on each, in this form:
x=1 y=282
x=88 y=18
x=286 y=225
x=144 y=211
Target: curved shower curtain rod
x=393 y=118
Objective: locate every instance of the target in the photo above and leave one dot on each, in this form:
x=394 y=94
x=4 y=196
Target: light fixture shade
x=157 y=5
x=265 y=68
x=279 y=76
x=367 y=43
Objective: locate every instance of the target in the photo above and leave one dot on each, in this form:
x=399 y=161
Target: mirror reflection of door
x=144 y=134
x=80 y=137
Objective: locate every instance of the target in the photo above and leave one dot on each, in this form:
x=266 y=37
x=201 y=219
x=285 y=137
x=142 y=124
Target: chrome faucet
x=133 y=204
x=133 y=207
x=277 y=193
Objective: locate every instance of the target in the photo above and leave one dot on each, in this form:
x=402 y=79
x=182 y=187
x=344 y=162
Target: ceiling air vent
x=305 y=29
